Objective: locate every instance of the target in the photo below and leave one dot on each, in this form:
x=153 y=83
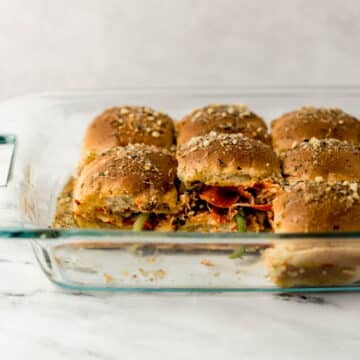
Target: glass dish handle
x=7 y=157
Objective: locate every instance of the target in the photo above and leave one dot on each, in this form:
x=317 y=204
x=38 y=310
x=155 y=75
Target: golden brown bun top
x=120 y=126
x=230 y=119
x=308 y=122
x=318 y=207
x=328 y=160
x=139 y=177
x=226 y=160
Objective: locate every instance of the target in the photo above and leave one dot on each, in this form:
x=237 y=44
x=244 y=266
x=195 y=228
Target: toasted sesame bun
x=230 y=119
x=120 y=126
x=313 y=263
x=135 y=178
x=318 y=207
x=226 y=160
x=326 y=160
x=308 y=122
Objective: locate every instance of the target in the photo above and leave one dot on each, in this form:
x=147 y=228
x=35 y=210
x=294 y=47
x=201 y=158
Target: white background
x=82 y=44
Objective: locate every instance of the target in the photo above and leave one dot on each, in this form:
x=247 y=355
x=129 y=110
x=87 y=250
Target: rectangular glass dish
x=48 y=130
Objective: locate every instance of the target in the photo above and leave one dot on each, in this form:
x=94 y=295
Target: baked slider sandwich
x=326 y=160
x=120 y=126
x=130 y=187
x=307 y=122
x=315 y=207
x=230 y=119
x=229 y=181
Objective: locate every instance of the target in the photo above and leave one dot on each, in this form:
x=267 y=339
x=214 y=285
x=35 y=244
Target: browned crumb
x=206 y=262
x=153 y=274
x=57 y=260
x=108 y=277
x=160 y=273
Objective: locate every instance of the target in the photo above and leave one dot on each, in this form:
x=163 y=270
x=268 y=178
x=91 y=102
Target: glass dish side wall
x=168 y=262
x=50 y=128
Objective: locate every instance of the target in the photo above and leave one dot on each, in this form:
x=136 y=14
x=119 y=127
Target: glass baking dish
x=48 y=129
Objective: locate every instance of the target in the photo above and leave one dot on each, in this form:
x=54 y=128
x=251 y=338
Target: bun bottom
x=313 y=263
x=162 y=225
x=203 y=222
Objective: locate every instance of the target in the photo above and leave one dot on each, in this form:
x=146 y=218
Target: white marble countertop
x=42 y=321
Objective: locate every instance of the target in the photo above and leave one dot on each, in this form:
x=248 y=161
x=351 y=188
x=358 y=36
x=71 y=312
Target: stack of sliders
x=229 y=174
x=320 y=155
x=127 y=174
x=225 y=177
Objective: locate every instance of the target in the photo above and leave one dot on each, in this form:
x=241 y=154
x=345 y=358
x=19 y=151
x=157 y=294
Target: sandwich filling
x=105 y=217
x=236 y=208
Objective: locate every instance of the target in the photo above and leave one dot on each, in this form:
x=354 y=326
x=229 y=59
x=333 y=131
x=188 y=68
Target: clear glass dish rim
x=166 y=237
x=275 y=90
x=260 y=90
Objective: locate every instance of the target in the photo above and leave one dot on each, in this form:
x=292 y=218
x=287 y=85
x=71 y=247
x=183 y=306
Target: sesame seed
x=242 y=107
x=124 y=111
x=315 y=143
x=155 y=134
